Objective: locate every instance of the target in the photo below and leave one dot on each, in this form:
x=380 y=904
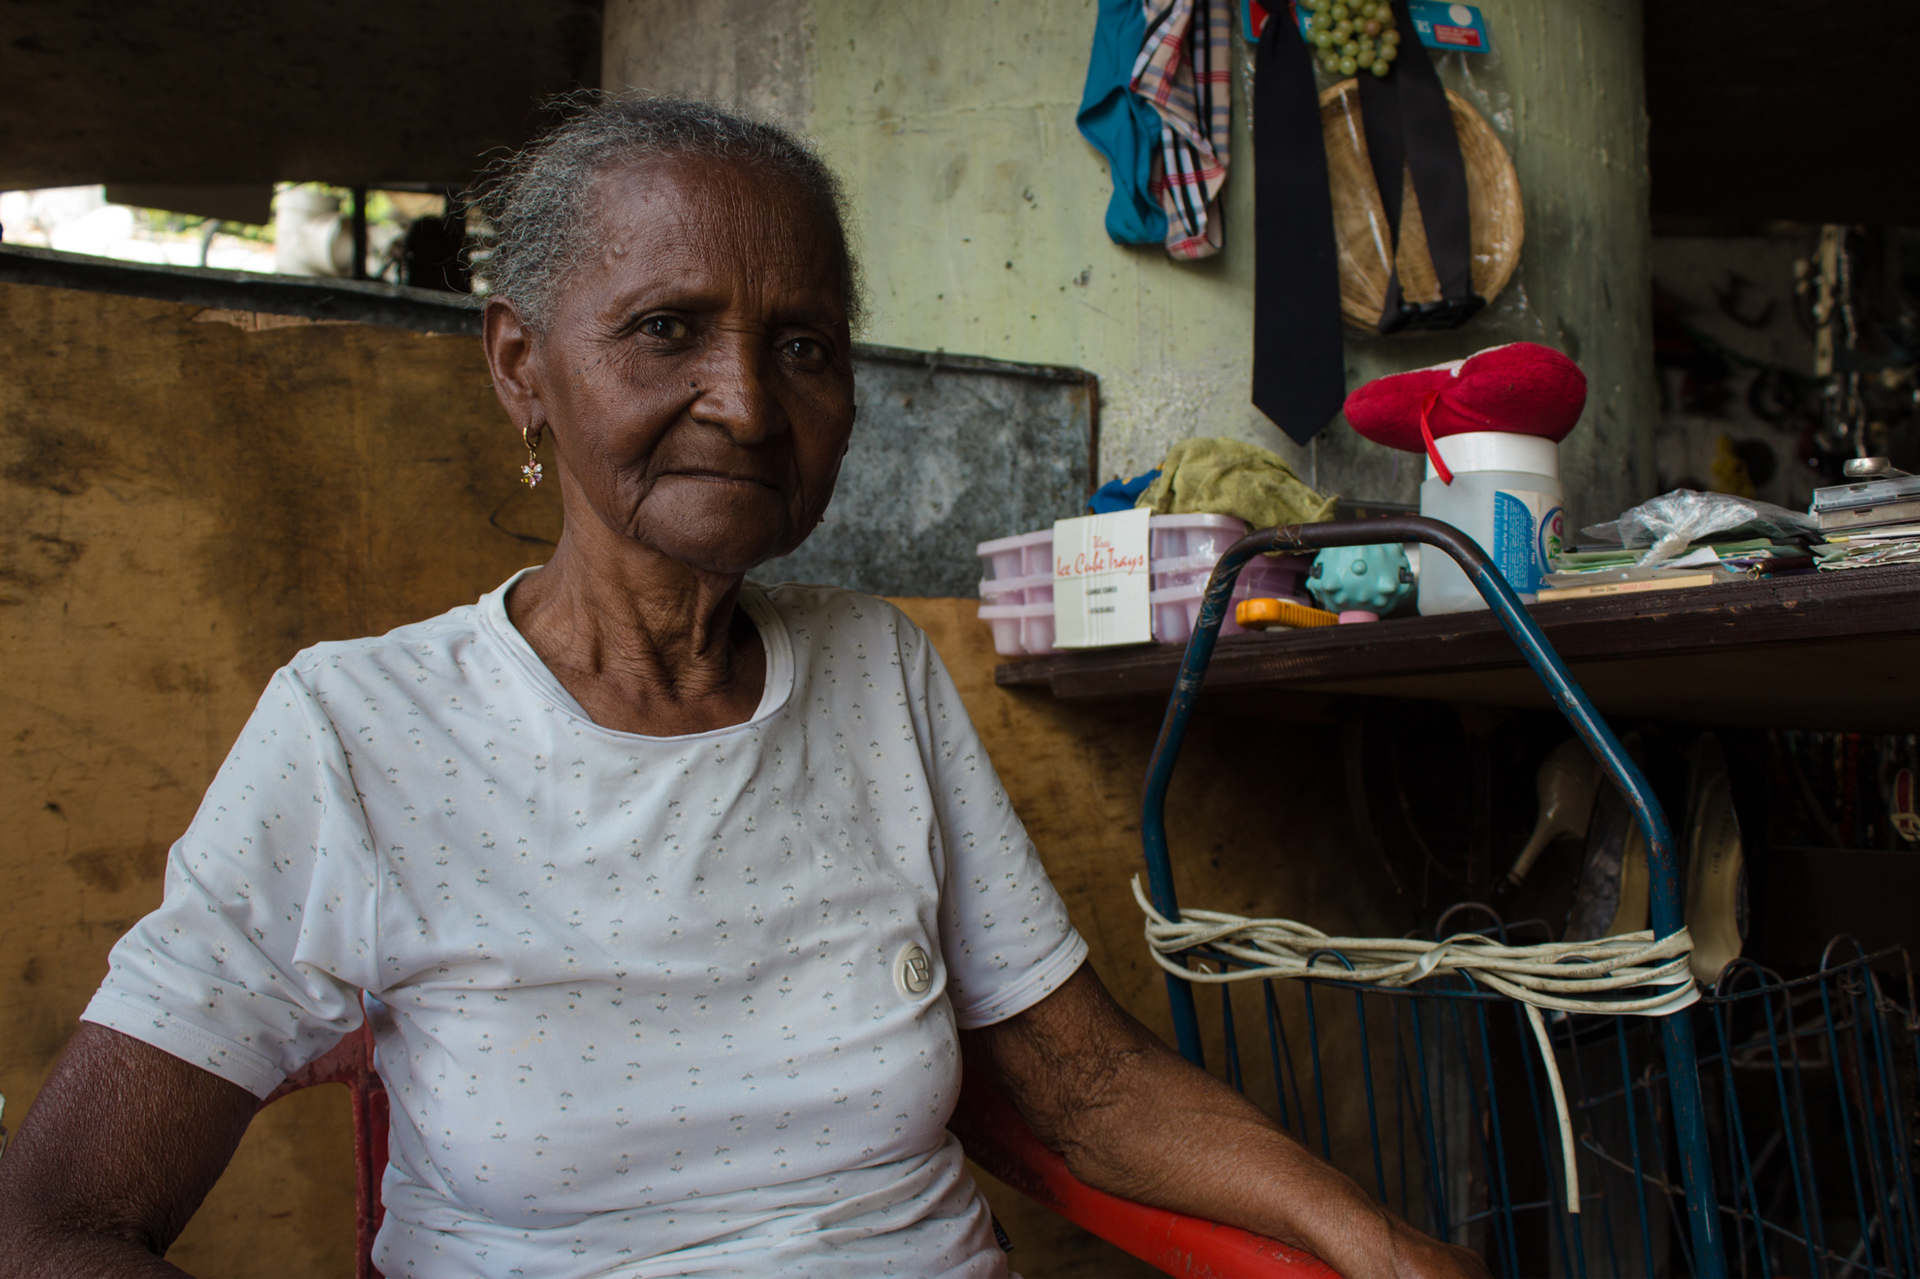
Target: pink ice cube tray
x=1016 y=592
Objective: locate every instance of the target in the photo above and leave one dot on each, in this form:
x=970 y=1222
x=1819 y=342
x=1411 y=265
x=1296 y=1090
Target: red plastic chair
x=988 y=1126
x=350 y=1062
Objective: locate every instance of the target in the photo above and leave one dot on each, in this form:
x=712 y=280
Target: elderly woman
x=674 y=900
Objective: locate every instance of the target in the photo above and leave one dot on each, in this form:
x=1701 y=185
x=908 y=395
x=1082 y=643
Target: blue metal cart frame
x=1682 y=1061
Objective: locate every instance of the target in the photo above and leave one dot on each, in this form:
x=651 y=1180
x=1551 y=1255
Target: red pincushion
x=1522 y=388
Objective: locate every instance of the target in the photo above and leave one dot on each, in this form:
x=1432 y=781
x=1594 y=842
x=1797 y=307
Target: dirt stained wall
x=187 y=498
x=184 y=504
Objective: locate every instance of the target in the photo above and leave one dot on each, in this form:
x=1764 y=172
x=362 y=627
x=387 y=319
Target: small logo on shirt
x=913 y=971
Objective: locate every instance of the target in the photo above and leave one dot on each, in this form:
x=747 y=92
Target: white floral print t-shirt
x=644 y=1006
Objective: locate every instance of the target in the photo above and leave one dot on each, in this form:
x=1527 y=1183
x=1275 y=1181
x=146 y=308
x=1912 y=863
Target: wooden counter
x=1817 y=651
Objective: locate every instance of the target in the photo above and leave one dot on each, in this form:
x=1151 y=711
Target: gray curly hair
x=537 y=199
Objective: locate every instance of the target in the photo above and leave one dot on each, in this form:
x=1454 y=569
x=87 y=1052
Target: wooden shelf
x=1816 y=651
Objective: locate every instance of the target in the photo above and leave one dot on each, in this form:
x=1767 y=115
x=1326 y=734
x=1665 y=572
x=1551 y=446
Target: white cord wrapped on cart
x=1634 y=973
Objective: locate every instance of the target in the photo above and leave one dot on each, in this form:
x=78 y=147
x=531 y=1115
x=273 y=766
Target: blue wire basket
x=1764 y=1131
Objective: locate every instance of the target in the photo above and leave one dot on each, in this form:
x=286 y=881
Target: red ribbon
x=1426 y=433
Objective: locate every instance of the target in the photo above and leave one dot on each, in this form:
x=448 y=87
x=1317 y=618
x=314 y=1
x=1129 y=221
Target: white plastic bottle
x=1506 y=496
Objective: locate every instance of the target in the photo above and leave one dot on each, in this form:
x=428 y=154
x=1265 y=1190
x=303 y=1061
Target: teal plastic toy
x=1361 y=582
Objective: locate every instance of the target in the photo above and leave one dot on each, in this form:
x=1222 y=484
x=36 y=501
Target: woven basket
x=1360 y=223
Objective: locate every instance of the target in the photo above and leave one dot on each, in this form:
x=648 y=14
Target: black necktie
x=1299 y=366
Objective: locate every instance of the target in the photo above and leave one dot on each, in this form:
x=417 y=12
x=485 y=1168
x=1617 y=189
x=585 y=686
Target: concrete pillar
x=979 y=210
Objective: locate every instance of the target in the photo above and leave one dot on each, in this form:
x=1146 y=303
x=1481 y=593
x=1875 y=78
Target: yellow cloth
x=1209 y=476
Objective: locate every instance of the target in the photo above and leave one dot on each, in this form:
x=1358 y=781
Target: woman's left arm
x=1135 y=1119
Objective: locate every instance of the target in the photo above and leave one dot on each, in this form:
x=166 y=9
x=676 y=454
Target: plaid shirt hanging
x=1184 y=72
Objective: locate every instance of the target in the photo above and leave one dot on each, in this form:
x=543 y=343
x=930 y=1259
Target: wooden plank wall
x=188 y=497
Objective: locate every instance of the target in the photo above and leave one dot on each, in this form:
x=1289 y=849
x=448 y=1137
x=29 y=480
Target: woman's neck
x=644 y=643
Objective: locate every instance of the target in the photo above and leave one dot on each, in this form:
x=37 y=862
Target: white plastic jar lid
x=1497 y=451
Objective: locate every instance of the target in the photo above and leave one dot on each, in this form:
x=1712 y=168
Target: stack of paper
x=1869 y=522
x=1869 y=547
x=1617 y=572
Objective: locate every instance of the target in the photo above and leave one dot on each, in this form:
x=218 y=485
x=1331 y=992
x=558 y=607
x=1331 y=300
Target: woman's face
x=696 y=376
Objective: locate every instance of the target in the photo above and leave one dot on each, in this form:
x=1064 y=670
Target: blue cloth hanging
x=1121 y=125
x=1121 y=495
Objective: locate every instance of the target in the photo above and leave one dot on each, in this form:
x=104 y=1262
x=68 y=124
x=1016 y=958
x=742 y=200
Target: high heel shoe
x=1716 y=866
x=1568 y=781
x=1614 y=890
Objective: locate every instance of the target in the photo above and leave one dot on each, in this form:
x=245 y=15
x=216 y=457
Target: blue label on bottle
x=1515 y=548
x=1553 y=537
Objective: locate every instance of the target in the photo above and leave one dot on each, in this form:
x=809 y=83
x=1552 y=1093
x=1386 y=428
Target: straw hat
x=1360 y=222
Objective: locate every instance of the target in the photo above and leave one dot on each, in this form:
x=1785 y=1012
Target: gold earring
x=530 y=473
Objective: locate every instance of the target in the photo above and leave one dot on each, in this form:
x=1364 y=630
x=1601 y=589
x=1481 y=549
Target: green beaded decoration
x=1350 y=36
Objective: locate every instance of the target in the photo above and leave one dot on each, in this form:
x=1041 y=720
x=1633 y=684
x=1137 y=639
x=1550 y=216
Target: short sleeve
x=252 y=965
x=1004 y=932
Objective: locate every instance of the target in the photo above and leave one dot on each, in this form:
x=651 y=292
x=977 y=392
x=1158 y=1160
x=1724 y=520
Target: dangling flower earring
x=530 y=473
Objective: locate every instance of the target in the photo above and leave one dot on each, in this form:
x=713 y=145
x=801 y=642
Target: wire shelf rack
x=1767 y=1130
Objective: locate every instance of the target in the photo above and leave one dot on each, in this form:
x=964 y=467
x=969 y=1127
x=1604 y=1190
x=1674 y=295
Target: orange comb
x=1259 y=614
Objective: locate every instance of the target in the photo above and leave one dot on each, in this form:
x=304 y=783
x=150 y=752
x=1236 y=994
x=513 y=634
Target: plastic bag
x=1670 y=523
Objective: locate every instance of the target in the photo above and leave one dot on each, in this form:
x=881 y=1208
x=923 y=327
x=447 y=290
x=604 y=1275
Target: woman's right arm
x=121 y=1145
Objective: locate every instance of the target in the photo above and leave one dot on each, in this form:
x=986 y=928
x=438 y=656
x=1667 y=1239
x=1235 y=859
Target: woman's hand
x=121 y=1145
x=1135 y=1119
x=1415 y=1255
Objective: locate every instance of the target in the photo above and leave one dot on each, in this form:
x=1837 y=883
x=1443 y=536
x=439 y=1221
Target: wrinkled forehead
x=715 y=218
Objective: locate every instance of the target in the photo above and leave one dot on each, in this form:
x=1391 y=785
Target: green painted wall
x=980 y=206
